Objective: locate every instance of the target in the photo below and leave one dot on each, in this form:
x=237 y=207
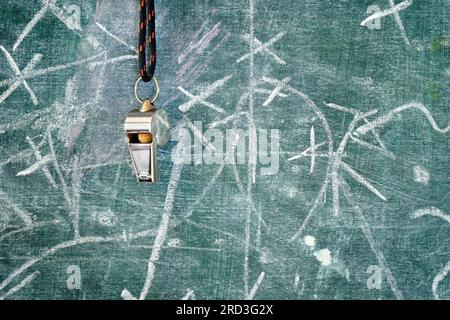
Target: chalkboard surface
x=350 y=199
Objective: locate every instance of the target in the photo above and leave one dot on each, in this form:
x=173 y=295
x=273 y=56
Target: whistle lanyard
x=147 y=40
x=146 y=127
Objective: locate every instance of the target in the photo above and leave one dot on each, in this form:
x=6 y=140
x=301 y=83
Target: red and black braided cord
x=147 y=40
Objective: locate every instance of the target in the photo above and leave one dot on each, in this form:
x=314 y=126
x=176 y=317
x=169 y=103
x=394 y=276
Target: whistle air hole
x=145 y=137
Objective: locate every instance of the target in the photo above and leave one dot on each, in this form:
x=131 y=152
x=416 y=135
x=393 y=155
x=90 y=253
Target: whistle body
x=145 y=130
x=141 y=145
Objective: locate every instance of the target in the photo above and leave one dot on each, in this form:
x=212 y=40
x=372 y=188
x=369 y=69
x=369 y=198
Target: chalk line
x=21 y=285
x=194 y=100
x=337 y=157
x=39 y=158
x=62 y=181
x=205 y=191
x=100 y=165
x=126 y=57
x=296 y=281
x=314 y=108
x=329 y=137
x=177 y=247
x=28 y=68
x=365 y=227
x=191 y=46
x=226 y=120
x=189 y=295
x=201 y=225
x=239 y=107
x=370 y=146
x=312 y=139
x=69 y=244
x=252 y=151
x=37 y=17
x=335 y=192
x=398 y=20
x=47 y=4
x=199 y=135
x=393 y=10
x=435 y=212
x=336 y=163
x=33 y=226
x=266 y=91
x=362 y=180
x=276 y=92
x=431 y=211
x=25 y=216
x=249 y=199
x=35 y=60
x=377 y=136
x=195 y=49
x=126 y=295
x=35 y=166
x=200 y=99
x=162 y=230
x=9 y=91
x=341 y=108
x=262 y=47
x=382 y=120
x=355 y=112
x=255 y=287
x=438 y=279
x=113 y=36
x=24 y=154
x=23 y=121
x=251 y=172
x=40 y=72
x=204 y=42
x=308 y=150
x=74 y=213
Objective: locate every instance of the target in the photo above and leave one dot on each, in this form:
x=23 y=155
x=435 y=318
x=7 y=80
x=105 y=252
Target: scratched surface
x=359 y=208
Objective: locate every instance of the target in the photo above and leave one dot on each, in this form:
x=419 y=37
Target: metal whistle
x=145 y=128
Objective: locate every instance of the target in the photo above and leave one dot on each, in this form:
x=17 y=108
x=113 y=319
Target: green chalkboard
x=309 y=157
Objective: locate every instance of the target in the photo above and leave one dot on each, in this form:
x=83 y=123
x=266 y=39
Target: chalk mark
x=264 y=48
x=365 y=227
x=255 y=287
x=394 y=10
x=162 y=230
x=113 y=36
x=201 y=98
x=56 y=11
x=19 y=74
x=21 y=285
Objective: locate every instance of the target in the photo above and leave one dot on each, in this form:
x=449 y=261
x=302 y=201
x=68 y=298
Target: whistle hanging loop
x=136 y=94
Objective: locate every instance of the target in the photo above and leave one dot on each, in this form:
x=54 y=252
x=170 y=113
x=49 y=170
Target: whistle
x=145 y=129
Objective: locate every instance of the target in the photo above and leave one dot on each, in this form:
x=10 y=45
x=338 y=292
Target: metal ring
x=156 y=94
